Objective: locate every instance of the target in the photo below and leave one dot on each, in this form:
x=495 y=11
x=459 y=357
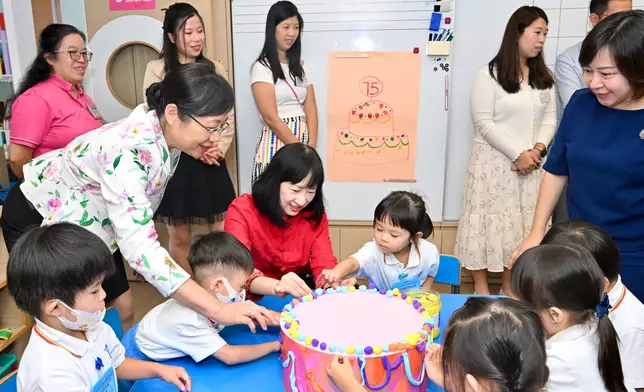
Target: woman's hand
x=434 y=364
x=341 y=373
x=212 y=156
x=248 y=313
x=176 y=376
x=526 y=162
x=291 y=284
x=532 y=240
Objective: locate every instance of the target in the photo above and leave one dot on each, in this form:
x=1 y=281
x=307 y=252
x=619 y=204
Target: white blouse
x=287 y=105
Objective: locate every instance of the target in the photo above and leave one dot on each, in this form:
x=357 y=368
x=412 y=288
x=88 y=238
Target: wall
x=20 y=34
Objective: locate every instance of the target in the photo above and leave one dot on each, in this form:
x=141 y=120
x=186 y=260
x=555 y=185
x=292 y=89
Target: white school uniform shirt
x=385 y=270
x=171 y=330
x=287 y=105
x=54 y=361
x=627 y=316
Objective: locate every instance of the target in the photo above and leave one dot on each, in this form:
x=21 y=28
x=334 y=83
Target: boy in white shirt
x=222 y=265
x=627 y=312
x=55 y=274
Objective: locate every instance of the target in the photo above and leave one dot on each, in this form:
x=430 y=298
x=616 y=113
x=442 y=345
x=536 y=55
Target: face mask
x=84 y=320
x=233 y=295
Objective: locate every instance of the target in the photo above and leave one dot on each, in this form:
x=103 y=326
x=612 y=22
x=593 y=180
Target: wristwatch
x=543 y=151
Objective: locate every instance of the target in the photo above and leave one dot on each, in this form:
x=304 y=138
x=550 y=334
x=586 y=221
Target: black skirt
x=197 y=194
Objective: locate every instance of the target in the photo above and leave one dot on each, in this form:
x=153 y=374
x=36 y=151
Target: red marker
x=416 y=50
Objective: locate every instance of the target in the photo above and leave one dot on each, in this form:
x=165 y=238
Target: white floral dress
x=110 y=181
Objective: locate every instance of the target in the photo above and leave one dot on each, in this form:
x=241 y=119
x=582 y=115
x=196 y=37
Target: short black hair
x=598 y=6
x=292 y=163
x=218 y=252
x=56 y=262
x=405 y=210
x=590 y=237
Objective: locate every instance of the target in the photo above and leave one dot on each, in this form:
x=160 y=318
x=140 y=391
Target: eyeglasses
x=220 y=129
x=76 y=54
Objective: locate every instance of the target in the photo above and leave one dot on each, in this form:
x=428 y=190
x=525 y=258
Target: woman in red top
x=284 y=224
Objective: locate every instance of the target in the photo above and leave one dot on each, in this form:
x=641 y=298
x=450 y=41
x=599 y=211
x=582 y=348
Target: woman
x=282 y=90
x=514 y=112
x=599 y=145
x=200 y=191
x=284 y=223
x=111 y=180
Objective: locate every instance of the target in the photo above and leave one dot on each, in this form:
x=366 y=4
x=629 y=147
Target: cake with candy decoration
x=382 y=333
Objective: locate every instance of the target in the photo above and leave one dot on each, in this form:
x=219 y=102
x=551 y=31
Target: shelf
x=18 y=332
x=6 y=78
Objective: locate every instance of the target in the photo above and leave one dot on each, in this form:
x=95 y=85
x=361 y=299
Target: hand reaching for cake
x=334 y=278
x=341 y=373
x=291 y=284
x=434 y=364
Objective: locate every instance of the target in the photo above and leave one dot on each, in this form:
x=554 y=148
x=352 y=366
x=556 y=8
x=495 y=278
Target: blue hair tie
x=604 y=307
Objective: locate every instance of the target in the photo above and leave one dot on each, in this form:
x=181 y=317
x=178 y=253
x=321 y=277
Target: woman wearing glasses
x=201 y=190
x=111 y=180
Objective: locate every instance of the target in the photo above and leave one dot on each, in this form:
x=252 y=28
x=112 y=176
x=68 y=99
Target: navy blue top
x=601 y=150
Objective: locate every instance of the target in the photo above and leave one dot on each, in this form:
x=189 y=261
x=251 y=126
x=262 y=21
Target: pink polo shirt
x=48 y=117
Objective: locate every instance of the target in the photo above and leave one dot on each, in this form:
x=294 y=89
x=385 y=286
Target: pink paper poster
x=372 y=116
x=132 y=5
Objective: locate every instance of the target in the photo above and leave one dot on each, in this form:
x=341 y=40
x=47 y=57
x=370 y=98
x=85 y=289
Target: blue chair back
x=449 y=272
x=9 y=383
x=113 y=319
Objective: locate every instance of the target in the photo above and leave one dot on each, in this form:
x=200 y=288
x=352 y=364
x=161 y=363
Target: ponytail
x=610 y=364
x=38 y=71
x=427 y=226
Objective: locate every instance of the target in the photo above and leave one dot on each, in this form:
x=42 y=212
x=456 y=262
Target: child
x=627 y=312
x=55 y=274
x=565 y=285
x=513 y=357
x=399 y=256
x=220 y=264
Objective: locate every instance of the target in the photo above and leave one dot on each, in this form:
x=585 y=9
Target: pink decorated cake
x=371 y=138
x=382 y=333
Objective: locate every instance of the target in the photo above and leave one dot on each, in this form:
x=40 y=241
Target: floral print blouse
x=110 y=181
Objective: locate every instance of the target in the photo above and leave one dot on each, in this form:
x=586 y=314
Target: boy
x=222 y=265
x=55 y=274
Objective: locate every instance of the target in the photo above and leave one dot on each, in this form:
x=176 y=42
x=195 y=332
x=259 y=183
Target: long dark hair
x=567 y=277
x=513 y=355
x=292 y=163
x=505 y=67
x=50 y=40
x=279 y=12
x=174 y=22
x=406 y=210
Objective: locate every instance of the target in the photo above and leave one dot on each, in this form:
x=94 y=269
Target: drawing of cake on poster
x=371 y=137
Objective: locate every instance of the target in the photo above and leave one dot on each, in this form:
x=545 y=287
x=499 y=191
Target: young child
x=566 y=287
x=513 y=357
x=55 y=274
x=399 y=256
x=220 y=264
x=627 y=312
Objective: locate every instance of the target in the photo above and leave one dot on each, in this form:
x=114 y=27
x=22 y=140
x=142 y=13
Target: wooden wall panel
x=43 y=15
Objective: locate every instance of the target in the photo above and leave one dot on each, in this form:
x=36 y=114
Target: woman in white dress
x=514 y=113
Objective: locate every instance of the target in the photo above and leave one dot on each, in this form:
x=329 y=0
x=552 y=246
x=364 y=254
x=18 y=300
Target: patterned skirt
x=269 y=143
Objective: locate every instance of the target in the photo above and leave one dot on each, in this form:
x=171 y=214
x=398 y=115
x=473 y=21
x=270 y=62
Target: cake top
x=360 y=322
x=371 y=111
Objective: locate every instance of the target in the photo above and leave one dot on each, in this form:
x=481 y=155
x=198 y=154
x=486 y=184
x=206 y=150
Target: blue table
x=264 y=374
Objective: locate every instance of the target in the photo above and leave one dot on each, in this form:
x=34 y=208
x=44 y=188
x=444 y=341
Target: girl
x=399 y=256
x=200 y=190
x=514 y=113
x=283 y=93
x=566 y=287
x=513 y=357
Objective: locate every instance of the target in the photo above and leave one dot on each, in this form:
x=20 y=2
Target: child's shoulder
x=171 y=312
x=629 y=314
x=427 y=249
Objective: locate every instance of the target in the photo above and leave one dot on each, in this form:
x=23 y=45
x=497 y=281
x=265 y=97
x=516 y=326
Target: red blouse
x=301 y=247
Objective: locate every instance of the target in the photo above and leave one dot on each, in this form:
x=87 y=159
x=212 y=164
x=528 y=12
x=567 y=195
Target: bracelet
x=256 y=274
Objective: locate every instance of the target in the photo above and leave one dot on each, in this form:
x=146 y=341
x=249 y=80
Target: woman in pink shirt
x=51 y=109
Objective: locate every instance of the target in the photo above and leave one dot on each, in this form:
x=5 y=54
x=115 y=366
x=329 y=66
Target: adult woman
x=514 y=111
x=200 y=191
x=52 y=108
x=598 y=148
x=281 y=87
x=284 y=223
x=110 y=181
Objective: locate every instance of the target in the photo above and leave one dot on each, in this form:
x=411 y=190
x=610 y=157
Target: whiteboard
x=351 y=25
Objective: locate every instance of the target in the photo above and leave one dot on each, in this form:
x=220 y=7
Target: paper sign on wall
x=132 y=5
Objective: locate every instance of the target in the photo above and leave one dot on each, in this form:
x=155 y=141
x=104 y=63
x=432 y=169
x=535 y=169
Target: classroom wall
x=20 y=36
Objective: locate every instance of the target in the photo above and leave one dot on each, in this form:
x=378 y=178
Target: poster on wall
x=132 y=5
x=372 y=116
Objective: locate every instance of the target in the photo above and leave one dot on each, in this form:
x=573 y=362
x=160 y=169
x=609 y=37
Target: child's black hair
x=567 y=277
x=590 y=237
x=56 y=262
x=510 y=351
x=406 y=210
x=218 y=252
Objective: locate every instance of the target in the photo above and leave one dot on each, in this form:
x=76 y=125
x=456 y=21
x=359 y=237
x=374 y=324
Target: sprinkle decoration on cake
x=383 y=333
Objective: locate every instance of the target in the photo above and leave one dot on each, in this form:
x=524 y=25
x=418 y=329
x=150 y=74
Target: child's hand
x=291 y=284
x=342 y=375
x=176 y=376
x=273 y=318
x=434 y=364
x=332 y=277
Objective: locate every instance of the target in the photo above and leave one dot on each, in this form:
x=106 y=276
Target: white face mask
x=233 y=295
x=84 y=320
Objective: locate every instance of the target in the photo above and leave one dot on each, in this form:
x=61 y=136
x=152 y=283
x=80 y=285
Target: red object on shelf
x=2 y=21
x=448 y=20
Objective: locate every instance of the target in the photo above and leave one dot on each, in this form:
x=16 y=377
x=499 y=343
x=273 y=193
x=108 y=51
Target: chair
x=113 y=319
x=9 y=383
x=449 y=272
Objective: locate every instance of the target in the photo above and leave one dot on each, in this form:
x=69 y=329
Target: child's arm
x=342 y=375
x=133 y=369
x=290 y=283
x=343 y=269
x=232 y=355
x=427 y=284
